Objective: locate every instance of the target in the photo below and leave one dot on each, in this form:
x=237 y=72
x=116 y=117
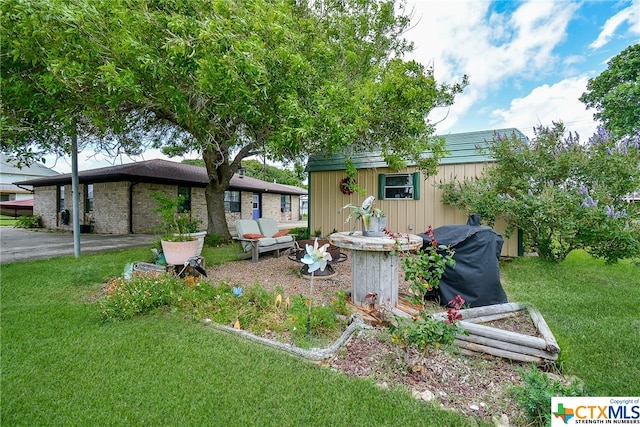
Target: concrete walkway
x=18 y=244
x=25 y=245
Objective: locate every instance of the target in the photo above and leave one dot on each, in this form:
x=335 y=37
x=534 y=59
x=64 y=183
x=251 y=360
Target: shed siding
x=406 y=216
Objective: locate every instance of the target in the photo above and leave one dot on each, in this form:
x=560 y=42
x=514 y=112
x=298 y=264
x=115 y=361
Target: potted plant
x=373 y=219
x=178 y=242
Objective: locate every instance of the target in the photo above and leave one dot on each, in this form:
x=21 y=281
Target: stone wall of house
x=271 y=208
x=145 y=220
x=45 y=203
x=111 y=207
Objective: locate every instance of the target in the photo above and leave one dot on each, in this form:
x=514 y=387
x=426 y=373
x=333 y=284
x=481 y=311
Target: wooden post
x=374 y=272
x=373 y=267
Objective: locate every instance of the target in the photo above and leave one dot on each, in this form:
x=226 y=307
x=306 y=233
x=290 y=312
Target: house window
x=60 y=198
x=184 y=194
x=399 y=186
x=232 y=201
x=88 y=198
x=285 y=203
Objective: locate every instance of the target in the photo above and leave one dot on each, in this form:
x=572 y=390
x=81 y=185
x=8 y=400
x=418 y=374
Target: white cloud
x=466 y=37
x=629 y=15
x=546 y=104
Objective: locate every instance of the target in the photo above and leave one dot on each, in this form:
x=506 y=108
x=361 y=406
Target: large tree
x=562 y=193
x=615 y=93
x=227 y=78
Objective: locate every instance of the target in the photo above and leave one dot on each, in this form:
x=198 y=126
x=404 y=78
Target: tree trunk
x=219 y=172
x=216 y=218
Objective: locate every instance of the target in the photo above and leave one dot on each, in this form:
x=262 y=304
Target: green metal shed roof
x=463 y=148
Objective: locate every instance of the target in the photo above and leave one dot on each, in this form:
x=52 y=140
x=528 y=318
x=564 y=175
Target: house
x=410 y=202
x=117 y=199
x=18 y=200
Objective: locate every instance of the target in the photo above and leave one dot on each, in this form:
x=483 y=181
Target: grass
x=7 y=221
x=62 y=365
x=593 y=310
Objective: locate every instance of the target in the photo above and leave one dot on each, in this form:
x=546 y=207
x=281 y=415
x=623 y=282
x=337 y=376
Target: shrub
x=535 y=395
x=28 y=221
x=424 y=268
x=253 y=308
x=425 y=331
x=301 y=233
x=142 y=293
x=213 y=240
x=563 y=194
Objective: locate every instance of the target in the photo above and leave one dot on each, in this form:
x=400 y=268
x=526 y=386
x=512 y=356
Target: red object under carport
x=17 y=208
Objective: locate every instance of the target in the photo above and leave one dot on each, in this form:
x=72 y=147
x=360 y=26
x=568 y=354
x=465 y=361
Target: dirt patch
x=477 y=386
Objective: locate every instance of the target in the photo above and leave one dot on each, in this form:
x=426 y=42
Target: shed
x=410 y=201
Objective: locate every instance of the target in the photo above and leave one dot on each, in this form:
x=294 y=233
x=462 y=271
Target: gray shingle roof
x=8 y=167
x=163 y=172
x=463 y=148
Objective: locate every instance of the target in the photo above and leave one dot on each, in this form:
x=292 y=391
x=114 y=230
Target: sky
x=528 y=62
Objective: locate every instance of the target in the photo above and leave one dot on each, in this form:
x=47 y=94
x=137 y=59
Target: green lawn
x=593 y=310
x=7 y=221
x=61 y=365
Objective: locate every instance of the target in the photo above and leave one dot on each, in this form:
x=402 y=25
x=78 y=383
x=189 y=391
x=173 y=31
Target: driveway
x=17 y=244
x=23 y=245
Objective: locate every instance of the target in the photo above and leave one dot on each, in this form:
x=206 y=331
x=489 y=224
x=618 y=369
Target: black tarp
x=476 y=275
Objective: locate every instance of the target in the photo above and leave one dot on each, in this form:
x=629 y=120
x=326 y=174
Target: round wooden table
x=373 y=268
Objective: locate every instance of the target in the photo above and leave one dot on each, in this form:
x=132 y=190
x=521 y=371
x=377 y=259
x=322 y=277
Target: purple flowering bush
x=562 y=193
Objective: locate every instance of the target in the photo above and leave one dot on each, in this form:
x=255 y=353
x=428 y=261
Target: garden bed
x=479 y=385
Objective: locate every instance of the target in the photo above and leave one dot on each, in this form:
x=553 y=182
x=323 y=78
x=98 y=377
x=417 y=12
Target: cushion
x=253 y=236
x=268 y=226
x=284 y=239
x=267 y=241
x=281 y=233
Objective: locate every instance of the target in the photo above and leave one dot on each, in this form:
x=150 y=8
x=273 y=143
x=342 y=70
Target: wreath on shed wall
x=346 y=185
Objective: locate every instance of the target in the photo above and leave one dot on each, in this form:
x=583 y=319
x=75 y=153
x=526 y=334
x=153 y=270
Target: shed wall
x=403 y=215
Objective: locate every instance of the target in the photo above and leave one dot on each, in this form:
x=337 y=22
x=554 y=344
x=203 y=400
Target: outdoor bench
x=262 y=235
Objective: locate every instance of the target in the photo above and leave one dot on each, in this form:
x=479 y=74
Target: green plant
x=142 y=293
x=534 y=396
x=339 y=303
x=563 y=194
x=213 y=240
x=253 y=308
x=365 y=211
x=175 y=225
x=318 y=327
x=424 y=268
x=301 y=233
x=425 y=331
x=28 y=221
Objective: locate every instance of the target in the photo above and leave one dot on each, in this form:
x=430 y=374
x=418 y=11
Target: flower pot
x=177 y=253
x=199 y=235
x=376 y=225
